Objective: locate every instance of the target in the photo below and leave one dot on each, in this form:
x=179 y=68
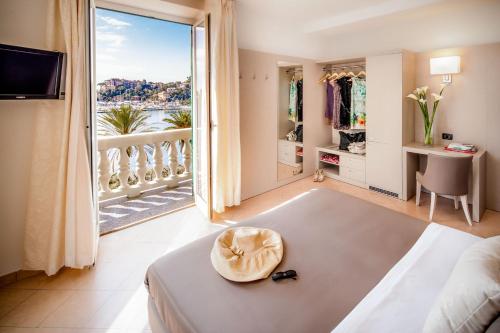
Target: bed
x=352 y=257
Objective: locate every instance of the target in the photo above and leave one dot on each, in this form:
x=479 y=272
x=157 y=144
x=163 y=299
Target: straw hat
x=246 y=254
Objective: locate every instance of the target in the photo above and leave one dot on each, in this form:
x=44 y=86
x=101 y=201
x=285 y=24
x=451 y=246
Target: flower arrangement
x=420 y=96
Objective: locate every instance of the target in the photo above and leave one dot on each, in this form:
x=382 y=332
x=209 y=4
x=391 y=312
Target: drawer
x=344 y=172
x=353 y=163
x=357 y=175
x=352 y=174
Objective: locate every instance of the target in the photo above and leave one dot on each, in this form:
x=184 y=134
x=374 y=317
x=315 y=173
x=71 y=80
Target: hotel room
x=181 y=166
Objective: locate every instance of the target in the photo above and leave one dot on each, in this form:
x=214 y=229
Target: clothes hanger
x=334 y=77
x=324 y=78
x=361 y=73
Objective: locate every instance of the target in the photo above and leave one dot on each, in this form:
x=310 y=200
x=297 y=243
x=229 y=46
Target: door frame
x=207 y=209
x=92 y=121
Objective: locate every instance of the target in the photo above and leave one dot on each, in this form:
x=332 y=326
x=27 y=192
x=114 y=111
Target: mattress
x=340 y=246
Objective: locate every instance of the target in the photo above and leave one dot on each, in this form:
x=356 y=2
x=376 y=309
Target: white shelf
x=326 y=162
x=334 y=149
x=350 y=169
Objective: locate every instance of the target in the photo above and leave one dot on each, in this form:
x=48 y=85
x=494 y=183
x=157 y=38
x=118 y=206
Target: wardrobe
x=290 y=121
x=263 y=91
x=390 y=119
x=264 y=94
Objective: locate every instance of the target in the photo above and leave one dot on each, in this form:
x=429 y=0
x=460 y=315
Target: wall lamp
x=445 y=66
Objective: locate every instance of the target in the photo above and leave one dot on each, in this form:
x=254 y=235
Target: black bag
x=347 y=138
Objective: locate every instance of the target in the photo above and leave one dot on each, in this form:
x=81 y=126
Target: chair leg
x=456 y=202
x=433 y=205
x=419 y=190
x=465 y=206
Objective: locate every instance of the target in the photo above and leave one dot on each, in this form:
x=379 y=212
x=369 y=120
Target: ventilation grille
x=379 y=190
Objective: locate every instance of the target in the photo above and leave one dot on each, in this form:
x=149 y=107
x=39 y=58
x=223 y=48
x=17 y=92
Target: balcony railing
x=157 y=141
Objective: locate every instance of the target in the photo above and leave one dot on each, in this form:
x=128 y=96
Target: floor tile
x=77 y=310
x=10 y=298
x=35 y=308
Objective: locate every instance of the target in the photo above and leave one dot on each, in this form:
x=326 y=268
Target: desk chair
x=446 y=175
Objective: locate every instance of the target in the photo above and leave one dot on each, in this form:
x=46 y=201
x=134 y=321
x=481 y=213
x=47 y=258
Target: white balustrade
x=139 y=141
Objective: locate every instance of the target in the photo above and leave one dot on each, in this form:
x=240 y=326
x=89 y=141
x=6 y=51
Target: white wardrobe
x=390 y=116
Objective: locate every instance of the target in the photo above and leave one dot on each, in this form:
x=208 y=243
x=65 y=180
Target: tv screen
x=29 y=73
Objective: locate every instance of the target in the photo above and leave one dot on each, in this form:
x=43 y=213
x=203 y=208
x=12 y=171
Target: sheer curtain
x=227 y=155
x=60 y=224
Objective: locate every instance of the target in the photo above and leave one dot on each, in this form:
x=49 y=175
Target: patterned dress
x=358 y=104
x=292 y=106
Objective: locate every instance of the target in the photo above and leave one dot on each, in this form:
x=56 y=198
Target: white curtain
x=227 y=155
x=60 y=224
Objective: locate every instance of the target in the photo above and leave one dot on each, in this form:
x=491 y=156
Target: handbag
x=347 y=138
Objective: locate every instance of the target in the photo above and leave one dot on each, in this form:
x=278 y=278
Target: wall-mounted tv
x=30 y=73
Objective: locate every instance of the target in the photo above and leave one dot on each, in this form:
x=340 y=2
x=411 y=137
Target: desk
x=477 y=180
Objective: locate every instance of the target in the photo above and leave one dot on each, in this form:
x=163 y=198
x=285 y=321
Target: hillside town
x=142 y=94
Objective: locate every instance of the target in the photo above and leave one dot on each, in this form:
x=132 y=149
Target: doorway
x=144 y=112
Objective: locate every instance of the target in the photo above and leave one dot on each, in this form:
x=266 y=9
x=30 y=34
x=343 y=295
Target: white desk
x=477 y=181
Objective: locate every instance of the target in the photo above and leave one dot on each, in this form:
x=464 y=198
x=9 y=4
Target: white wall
x=22 y=22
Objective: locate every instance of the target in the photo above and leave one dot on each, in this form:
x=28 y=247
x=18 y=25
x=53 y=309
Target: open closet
x=344 y=83
x=371 y=120
x=290 y=121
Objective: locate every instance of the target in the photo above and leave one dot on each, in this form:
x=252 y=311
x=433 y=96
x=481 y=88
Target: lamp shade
x=445 y=65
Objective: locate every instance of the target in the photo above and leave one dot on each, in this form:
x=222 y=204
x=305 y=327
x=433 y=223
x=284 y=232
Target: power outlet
x=447 y=136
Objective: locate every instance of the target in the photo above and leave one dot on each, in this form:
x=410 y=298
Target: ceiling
x=322 y=29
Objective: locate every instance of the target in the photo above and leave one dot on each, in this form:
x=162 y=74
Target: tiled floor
x=111 y=297
x=118 y=213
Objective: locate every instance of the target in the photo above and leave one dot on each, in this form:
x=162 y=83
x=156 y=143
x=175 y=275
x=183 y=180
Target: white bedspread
x=401 y=301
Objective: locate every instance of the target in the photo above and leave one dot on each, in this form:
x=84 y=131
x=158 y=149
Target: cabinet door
x=383 y=98
x=384 y=166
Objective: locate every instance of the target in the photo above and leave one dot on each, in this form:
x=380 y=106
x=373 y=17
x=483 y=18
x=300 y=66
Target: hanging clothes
x=292 y=106
x=345 y=104
x=336 y=102
x=358 y=103
x=329 y=103
x=300 y=85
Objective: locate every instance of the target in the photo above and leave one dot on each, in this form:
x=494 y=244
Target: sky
x=136 y=47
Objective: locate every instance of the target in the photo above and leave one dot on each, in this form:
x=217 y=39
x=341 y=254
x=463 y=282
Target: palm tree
x=121 y=121
x=124 y=120
x=178 y=119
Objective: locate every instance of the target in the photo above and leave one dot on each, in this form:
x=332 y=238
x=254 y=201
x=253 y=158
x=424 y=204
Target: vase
x=428 y=134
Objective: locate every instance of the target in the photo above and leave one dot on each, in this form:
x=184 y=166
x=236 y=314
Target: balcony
x=143 y=175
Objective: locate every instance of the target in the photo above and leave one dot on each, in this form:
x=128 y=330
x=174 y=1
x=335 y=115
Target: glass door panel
x=201 y=116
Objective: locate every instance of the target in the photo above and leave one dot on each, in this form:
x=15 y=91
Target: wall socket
x=447 y=136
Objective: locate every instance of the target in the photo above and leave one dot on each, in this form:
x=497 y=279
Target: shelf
x=331 y=171
x=326 y=162
x=334 y=149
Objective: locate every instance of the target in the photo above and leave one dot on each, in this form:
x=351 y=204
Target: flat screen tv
x=30 y=74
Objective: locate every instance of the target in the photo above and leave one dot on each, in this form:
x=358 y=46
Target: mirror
x=290 y=121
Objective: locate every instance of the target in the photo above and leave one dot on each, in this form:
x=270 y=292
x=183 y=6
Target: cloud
x=114 y=22
x=111 y=39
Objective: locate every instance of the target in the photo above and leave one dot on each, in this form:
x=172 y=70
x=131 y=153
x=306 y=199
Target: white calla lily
x=424 y=89
x=412 y=96
x=437 y=97
x=423 y=101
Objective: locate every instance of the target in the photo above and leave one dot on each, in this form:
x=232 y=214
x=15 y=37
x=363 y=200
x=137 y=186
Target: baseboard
x=17 y=276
